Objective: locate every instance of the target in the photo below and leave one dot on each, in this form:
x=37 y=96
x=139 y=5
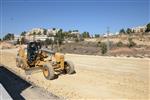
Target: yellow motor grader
x=49 y=62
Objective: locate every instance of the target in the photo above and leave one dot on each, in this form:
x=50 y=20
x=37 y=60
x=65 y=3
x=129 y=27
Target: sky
x=93 y=16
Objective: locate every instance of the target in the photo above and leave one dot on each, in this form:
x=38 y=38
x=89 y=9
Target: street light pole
x=108 y=40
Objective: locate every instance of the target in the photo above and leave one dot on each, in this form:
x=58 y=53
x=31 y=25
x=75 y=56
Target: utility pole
x=108 y=45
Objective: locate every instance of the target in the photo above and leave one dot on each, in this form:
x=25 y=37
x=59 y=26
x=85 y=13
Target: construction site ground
x=96 y=77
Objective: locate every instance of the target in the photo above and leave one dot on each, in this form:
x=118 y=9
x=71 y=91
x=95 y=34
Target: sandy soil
x=96 y=77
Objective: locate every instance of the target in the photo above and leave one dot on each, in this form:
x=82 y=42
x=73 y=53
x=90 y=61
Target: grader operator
x=49 y=62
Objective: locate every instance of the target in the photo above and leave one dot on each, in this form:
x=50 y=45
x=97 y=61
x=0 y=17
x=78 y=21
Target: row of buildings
x=42 y=34
x=139 y=29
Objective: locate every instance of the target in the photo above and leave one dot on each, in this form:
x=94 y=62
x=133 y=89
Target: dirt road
x=96 y=77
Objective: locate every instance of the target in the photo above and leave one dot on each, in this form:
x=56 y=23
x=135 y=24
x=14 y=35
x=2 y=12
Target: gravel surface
x=96 y=77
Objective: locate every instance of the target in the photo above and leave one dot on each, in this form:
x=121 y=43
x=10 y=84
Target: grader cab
x=49 y=62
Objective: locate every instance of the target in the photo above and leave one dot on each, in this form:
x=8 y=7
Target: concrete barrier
x=4 y=94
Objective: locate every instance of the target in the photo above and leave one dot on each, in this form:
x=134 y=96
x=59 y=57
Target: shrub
x=131 y=43
x=103 y=48
x=119 y=44
x=76 y=40
x=98 y=43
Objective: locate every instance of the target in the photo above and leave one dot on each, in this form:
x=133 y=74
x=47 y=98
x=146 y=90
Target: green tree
x=23 y=41
x=97 y=35
x=34 y=34
x=18 y=42
x=75 y=30
x=45 y=31
x=122 y=31
x=85 y=35
x=39 y=33
x=8 y=36
x=23 y=33
x=147 y=28
x=129 y=31
x=69 y=31
x=59 y=37
x=48 y=41
x=54 y=29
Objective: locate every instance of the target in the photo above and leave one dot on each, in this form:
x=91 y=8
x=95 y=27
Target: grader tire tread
x=48 y=71
x=69 y=67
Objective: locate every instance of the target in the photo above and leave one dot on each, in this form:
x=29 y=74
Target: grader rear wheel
x=48 y=71
x=69 y=67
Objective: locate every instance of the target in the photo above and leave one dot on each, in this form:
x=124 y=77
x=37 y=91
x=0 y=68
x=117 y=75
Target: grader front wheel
x=48 y=71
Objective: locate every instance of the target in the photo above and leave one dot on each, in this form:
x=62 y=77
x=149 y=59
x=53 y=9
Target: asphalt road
x=20 y=89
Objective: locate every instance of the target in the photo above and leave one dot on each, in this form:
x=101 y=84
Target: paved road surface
x=19 y=89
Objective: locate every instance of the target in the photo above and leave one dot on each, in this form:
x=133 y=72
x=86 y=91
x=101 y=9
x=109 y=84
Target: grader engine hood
x=58 y=58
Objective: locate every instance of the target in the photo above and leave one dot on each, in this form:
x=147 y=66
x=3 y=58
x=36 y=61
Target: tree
x=59 y=37
x=23 y=41
x=122 y=31
x=128 y=31
x=85 y=35
x=147 y=28
x=48 y=41
x=54 y=29
x=69 y=31
x=34 y=34
x=39 y=33
x=45 y=31
x=97 y=35
x=75 y=30
x=8 y=36
x=23 y=33
x=0 y=39
x=18 y=42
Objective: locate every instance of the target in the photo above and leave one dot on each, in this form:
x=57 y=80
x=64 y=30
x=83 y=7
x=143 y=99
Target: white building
x=76 y=33
x=106 y=34
x=38 y=37
x=52 y=31
x=36 y=31
x=38 y=34
x=16 y=37
x=139 y=29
